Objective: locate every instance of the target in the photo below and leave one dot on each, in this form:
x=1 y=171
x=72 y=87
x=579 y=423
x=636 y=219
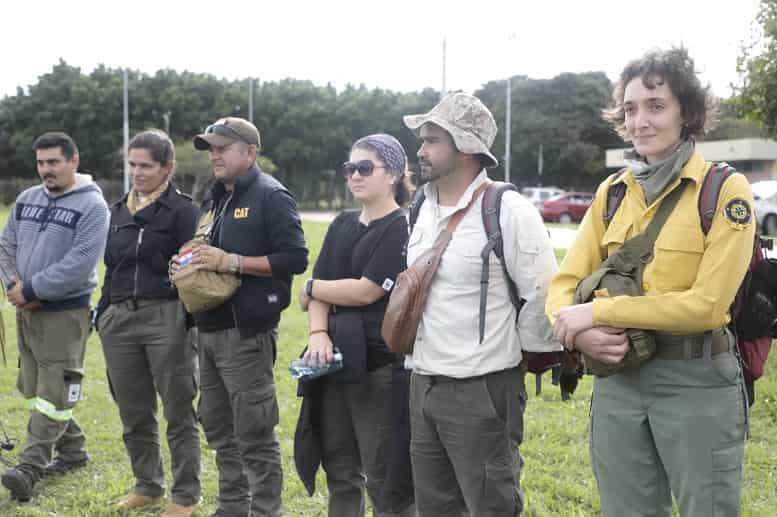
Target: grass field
x=557 y=478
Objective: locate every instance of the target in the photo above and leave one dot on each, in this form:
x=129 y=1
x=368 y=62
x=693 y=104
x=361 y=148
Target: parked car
x=567 y=208
x=765 y=215
x=538 y=195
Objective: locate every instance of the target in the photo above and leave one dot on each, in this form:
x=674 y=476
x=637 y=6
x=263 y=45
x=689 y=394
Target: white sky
x=394 y=44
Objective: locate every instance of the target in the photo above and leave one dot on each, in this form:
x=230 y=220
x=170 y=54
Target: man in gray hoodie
x=49 y=249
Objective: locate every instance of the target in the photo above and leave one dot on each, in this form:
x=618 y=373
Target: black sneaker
x=20 y=481
x=60 y=466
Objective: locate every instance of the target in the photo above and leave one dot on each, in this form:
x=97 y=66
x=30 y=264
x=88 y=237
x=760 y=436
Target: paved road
x=560 y=237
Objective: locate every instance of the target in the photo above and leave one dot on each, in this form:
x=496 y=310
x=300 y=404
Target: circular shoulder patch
x=738 y=211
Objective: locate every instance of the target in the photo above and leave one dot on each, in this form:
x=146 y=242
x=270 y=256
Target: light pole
x=508 y=117
x=508 y=123
x=251 y=99
x=126 y=132
x=442 y=92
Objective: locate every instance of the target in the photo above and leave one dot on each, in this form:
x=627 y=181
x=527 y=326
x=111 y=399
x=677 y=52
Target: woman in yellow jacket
x=675 y=424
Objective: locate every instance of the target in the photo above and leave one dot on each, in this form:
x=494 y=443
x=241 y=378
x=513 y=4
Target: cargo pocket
x=256 y=413
x=727 y=469
x=501 y=491
x=72 y=387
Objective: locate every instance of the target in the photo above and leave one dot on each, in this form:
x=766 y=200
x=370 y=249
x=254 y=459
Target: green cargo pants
x=51 y=361
x=670 y=427
x=148 y=351
x=239 y=411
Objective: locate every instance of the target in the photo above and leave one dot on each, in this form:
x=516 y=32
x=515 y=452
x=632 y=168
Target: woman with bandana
x=345 y=299
x=672 y=423
x=143 y=328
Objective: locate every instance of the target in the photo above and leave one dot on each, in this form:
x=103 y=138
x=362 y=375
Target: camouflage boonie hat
x=469 y=122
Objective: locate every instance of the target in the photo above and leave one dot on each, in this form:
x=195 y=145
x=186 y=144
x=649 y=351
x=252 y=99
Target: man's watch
x=309 y=288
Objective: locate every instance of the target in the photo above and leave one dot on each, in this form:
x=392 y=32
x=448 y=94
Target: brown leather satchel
x=408 y=298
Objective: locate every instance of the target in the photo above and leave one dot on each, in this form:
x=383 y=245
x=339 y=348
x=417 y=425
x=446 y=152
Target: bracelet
x=317 y=331
x=309 y=288
x=240 y=265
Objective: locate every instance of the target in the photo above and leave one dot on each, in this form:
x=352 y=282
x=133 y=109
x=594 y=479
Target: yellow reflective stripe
x=47 y=408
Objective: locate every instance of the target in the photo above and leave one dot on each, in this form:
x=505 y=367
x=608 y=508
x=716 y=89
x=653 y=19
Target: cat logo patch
x=241 y=213
x=738 y=212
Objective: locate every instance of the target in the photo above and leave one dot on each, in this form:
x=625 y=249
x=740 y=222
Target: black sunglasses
x=225 y=130
x=364 y=167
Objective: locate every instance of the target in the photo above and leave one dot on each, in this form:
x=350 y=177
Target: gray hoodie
x=52 y=243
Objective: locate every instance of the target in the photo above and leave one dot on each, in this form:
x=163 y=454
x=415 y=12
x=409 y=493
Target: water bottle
x=304 y=372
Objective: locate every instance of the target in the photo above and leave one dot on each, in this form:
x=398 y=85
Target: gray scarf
x=655 y=177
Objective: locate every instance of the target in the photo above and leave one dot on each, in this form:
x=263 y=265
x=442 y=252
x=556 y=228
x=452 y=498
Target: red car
x=567 y=208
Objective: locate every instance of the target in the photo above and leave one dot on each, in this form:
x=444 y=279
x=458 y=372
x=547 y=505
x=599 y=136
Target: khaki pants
x=356 y=431
x=239 y=412
x=51 y=360
x=464 y=443
x=148 y=351
x=670 y=427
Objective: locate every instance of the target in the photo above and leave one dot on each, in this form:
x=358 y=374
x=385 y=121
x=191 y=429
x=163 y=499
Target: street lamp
x=508 y=116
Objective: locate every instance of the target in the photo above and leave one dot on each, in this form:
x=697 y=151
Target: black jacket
x=140 y=246
x=260 y=219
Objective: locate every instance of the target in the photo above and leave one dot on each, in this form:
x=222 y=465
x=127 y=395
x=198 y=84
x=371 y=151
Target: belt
x=434 y=379
x=694 y=346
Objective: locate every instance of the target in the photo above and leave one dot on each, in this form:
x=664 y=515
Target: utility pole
x=126 y=132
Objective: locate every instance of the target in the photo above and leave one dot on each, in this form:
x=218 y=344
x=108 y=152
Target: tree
x=757 y=66
x=563 y=115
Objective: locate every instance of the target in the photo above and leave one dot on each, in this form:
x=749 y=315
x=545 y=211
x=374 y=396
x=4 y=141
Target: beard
x=429 y=172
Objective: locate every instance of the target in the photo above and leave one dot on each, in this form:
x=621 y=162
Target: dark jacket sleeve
x=288 y=255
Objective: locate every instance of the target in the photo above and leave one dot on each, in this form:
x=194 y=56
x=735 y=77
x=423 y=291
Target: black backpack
x=536 y=363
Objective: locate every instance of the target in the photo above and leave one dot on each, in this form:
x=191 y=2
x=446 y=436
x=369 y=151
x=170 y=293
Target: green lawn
x=557 y=478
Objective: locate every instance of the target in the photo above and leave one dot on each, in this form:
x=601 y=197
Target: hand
x=32 y=306
x=572 y=320
x=303 y=298
x=211 y=258
x=15 y=295
x=320 y=350
x=173 y=266
x=606 y=344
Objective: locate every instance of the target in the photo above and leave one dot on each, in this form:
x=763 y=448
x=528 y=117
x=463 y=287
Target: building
x=755 y=157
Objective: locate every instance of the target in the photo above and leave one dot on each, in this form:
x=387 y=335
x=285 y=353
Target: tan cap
x=469 y=122
x=225 y=131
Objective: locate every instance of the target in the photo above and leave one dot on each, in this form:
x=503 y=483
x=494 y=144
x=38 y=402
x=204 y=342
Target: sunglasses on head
x=364 y=168
x=221 y=128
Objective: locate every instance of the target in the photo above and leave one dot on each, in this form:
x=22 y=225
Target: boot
x=20 y=481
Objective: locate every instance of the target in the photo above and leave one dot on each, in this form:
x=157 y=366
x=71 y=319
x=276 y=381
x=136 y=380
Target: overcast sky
x=394 y=44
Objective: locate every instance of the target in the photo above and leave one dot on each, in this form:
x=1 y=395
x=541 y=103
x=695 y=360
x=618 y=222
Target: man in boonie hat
x=467 y=396
x=253 y=230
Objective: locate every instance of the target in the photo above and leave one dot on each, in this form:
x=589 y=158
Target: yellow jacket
x=693 y=278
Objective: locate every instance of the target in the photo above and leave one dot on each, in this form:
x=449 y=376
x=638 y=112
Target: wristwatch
x=309 y=288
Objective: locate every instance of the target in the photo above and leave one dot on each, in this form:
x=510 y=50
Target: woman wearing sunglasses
x=143 y=327
x=345 y=299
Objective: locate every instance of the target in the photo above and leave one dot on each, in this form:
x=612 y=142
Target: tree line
x=307 y=129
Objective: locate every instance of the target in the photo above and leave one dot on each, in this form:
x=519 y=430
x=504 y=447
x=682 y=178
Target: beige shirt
x=447 y=342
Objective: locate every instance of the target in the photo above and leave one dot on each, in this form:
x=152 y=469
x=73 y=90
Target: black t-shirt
x=354 y=250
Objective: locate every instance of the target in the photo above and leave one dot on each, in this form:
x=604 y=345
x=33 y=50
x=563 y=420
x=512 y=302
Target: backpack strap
x=412 y=211
x=615 y=195
x=710 y=192
x=490 y=211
